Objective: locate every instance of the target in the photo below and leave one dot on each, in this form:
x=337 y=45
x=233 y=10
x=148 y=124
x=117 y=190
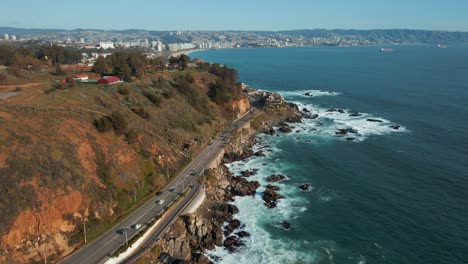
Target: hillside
x=92 y=152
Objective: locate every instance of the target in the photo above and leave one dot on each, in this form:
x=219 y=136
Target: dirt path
x=13 y=86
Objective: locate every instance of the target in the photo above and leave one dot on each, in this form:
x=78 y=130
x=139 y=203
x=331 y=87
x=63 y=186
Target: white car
x=136 y=226
x=160 y=201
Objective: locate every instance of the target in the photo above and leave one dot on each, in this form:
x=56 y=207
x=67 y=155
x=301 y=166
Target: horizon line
x=238 y=30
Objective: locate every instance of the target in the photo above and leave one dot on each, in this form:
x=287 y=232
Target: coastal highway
x=102 y=248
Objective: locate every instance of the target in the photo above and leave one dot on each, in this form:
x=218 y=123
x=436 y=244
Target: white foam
x=329 y=122
x=307 y=93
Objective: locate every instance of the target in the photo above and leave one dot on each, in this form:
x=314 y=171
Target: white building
x=106 y=45
x=13 y=37
x=6 y=37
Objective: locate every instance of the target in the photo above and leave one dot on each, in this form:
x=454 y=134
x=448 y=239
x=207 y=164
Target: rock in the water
x=286 y=225
x=232 y=224
x=270 y=197
x=344 y=131
x=285 y=128
x=232 y=243
x=308 y=94
x=355 y=114
x=273 y=187
x=396 y=127
x=243 y=234
x=276 y=178
x=374 y=120
x=305 y=187
x=341 y=131
x=305 y=110
x=242 y=187
x=350 y=138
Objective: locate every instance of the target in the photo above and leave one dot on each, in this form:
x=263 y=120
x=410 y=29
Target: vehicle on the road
x=136 y=226
x=160 y=201
x=121 y=231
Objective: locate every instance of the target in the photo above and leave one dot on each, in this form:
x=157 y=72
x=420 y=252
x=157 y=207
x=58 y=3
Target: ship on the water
x=386 y=50
x=441 y=46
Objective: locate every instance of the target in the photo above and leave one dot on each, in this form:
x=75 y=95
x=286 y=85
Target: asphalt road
x=100 y=249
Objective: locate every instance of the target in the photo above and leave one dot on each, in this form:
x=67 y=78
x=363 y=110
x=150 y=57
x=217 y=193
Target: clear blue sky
x=236 y=14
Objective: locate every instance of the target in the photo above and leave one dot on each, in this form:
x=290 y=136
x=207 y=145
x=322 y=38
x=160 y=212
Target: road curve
x=100 y=249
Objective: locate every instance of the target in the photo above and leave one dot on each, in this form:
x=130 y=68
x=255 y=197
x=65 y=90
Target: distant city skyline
x=270 y=15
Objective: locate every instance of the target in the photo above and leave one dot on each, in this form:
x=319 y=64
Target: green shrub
x=141 y=112
x=119 y=122
x=124 y=91
x=103 y=124
x=154 y=98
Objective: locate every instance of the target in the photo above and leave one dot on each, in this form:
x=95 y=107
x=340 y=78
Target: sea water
x=386 y=196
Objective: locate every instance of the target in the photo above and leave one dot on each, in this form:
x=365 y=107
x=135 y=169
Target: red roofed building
x=109 y=80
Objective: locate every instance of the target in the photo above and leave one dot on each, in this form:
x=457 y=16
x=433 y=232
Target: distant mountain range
x=374 y=36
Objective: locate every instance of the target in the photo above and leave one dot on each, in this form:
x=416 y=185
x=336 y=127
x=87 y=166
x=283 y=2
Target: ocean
x=386 y=196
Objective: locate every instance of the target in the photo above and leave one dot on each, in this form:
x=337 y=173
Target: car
x=136 y=226
x=160 y=201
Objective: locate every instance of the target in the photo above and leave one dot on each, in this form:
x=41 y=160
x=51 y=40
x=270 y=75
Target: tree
x=100 y=66
x=103 y=124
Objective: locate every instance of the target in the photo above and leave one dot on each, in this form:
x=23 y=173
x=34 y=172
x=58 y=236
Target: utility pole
x=134 y=194
x=84 y=231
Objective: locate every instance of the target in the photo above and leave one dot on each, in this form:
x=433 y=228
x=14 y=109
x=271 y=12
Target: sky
x=273 y=15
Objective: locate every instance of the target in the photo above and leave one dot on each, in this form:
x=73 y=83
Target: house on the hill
x=109 y=80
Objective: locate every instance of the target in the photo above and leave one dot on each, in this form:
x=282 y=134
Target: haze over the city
x=236 y=15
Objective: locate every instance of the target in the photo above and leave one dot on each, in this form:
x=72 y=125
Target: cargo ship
x=386 y=50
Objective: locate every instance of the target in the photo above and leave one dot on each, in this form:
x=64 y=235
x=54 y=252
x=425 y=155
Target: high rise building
x=6 y=37
x=13 y=37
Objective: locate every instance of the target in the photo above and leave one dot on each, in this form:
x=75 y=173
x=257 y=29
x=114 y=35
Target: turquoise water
x=388 y=196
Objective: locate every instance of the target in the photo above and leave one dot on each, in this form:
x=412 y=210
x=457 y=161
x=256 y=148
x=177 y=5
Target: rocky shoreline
x=214 y=223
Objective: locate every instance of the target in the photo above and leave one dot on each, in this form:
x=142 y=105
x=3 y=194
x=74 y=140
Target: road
x=100 y=249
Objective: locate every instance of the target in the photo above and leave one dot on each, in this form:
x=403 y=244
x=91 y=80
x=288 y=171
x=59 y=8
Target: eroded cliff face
x=58 y=171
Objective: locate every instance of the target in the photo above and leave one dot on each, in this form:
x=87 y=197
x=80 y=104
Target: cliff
x=88 y=154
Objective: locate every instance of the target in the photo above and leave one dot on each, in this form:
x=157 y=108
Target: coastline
x=214 y=224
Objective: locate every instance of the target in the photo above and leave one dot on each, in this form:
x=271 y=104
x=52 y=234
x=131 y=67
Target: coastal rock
x=286 y=225
x=345 y=131
x=242 y=187
x=270 y=197
x=243 y=234
x=396 y=127
x=355 y=114
x=231 y=226
x=199 y=258
x=285 y=128
x=305 y=110
x=341 y=111
x=273 y=187
x=305 y=187
x=350 y=138
x=374 y=120
x=294 y=119
x=259 y=154
x=276 y=178
x=232 y=243
x=308 y=94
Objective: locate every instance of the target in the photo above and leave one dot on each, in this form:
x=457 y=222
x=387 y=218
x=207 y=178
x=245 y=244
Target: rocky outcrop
x=285 y=128
x=344 y=131
x=305 y=187
x=374 y=120
x=270 y=197
x=396 y=127
x=276 y=178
